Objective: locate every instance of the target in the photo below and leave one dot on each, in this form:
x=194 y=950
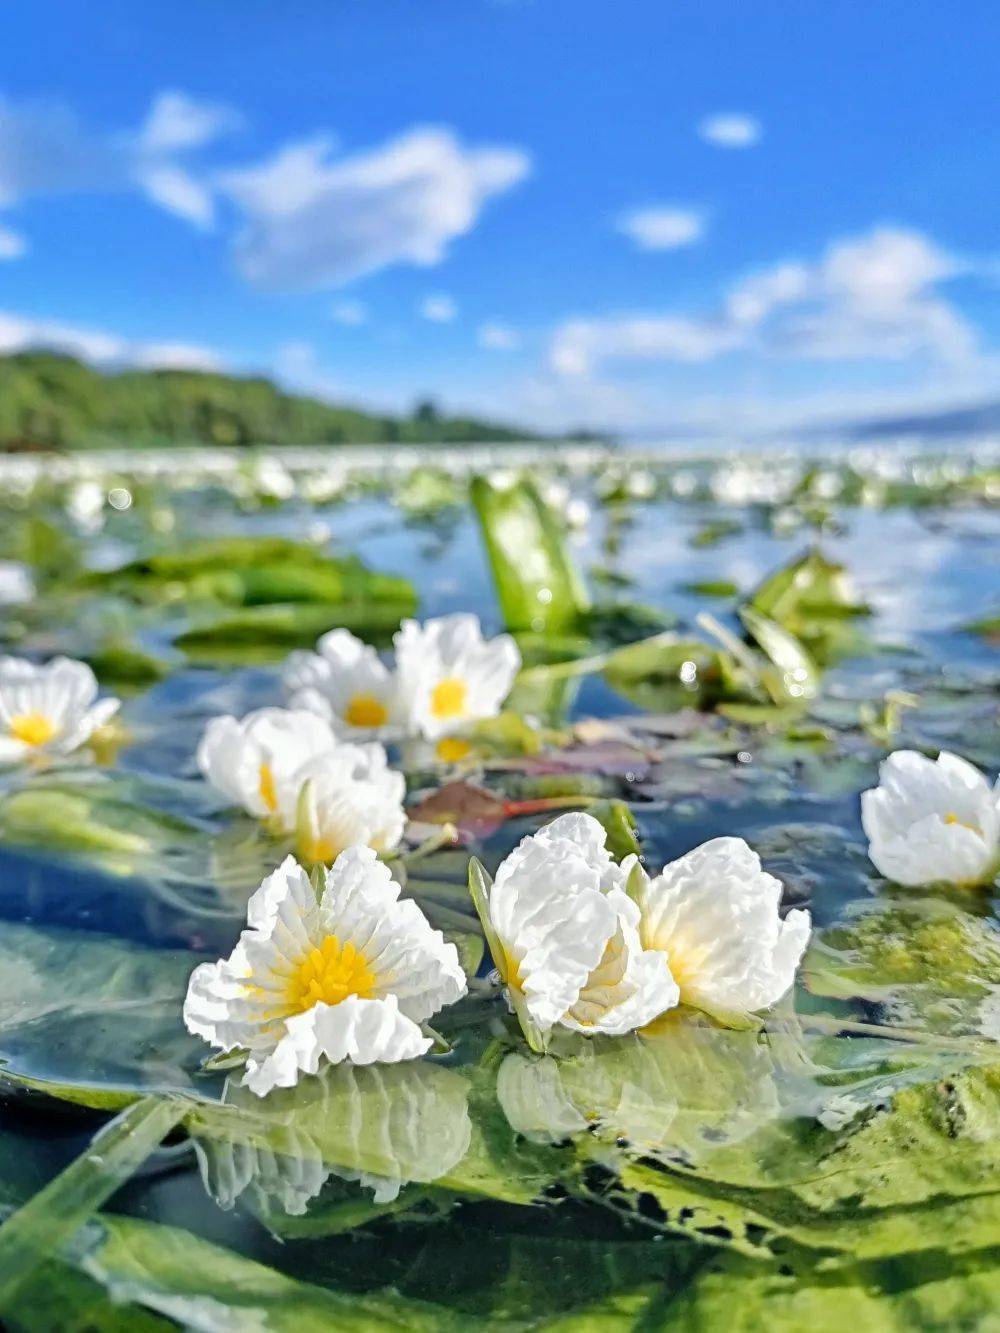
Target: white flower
x=349 y=975
x=564 y=936
x=344 y=797
x=346 y=683
x=713 y=916
x=932 y=821
x=449 y=675
x=48 y=709
x=253 y=760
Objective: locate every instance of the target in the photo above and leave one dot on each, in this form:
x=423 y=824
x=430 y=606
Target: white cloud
x=580 y=344
x=731 y=129
x=498 y=337
x=351 y=313
x=316 y=221
x=178 y=192
x=439 y=309
x=19 y=333
x=663 y=227
x=175 y=356
x=46 y=150
x=868 y=297
x=176 y=121
x=12 y=244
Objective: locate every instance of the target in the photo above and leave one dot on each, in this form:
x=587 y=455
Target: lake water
x=840 y=1163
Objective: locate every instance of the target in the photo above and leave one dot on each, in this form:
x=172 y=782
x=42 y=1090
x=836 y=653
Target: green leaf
x=795 y=676
x=207 y=1288
x=813 y=599
x=537 y=582
x=33 y=1233
x=619 y=824
x=260 y=634
x=92 y=1018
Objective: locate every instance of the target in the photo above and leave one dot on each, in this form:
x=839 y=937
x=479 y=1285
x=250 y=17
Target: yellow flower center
x=318 y=850
x=448 y=697
x=268 y=792
x=452 y=749
x=952 y=818
x=328 y=975
x=365 y=710
x=33 y=728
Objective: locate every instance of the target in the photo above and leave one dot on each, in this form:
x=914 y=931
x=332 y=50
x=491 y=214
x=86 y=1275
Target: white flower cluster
x=446 y=677
x=300 y=768
x=579 y=941
x=583 y=943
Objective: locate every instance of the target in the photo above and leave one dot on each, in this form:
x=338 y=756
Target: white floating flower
x=48 y=709
x=563 y=934
x=345 y=797
x=253 y=760
x=932 y=821
x=349 y=975
x=346 y=683
x=449 y=675
x=713 y=916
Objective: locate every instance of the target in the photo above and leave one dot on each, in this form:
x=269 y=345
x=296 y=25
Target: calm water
x=690 y=1178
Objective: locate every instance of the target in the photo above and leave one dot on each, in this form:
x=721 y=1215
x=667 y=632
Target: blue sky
x=648 y=216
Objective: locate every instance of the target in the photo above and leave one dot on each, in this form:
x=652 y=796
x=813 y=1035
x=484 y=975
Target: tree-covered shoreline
x=49 y=400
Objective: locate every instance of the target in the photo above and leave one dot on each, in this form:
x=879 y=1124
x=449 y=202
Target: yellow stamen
x=452 y=749
x=448 y=697
x=952 y=818
x=33 y=728
x=328 y=975
x=365 y=710
x=268 y=792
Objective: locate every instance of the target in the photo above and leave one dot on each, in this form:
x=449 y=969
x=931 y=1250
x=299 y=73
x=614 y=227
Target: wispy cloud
x=351 y=313
x=495 y=337
x=20 y=333
x=12 y=244
x=176 y=121
x=314 y=220
x=439 y=309
x=663 y=227
x=731 y=129
x=45 y=149
x=867 y=297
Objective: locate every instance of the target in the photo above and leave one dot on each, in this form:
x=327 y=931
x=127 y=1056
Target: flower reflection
x=381 y=1127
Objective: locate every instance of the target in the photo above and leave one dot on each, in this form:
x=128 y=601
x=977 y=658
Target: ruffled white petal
x=630 y=986
x=362 y=1031
x=714 y=914
x=413 y=961
x=344 y=798
x=549 y=910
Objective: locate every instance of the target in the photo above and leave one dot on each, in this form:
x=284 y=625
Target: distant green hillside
x=51 y=401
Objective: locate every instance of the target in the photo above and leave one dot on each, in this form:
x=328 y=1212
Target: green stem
x=32 y=1235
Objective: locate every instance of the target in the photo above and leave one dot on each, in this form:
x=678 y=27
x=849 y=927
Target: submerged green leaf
x=33 y=1233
